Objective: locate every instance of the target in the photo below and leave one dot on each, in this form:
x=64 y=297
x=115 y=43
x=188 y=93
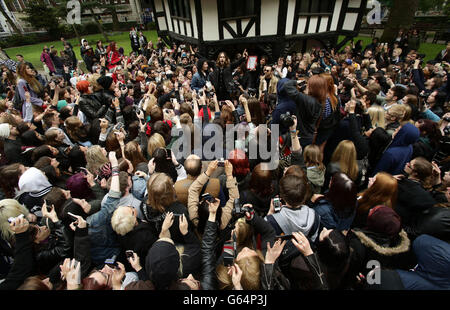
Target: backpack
x=17 y=101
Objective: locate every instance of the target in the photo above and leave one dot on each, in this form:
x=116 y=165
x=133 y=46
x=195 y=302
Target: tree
x=112 y=9
x=90 y=6
x=62 y=11
x=41 y=16
x=9 y=19
x=401 y=15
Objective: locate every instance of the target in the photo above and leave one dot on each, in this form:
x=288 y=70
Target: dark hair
x=41 y=151
x=92 y=284
x=334 y=252
x=261 y=181
x=431 y=130
x=163 y=129
x=293 y=190
x=164 y=164
x=399 y=92
x=371 y=96
x=342 y=193
x=57 y=198
x=33 y=284
x=10 y=179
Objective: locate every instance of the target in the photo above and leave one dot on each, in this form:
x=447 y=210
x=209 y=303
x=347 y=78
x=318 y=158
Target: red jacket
x=113 y=59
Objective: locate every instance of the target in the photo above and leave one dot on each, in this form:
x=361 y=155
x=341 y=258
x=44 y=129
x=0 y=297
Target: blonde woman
x=97 y=162
x=394 y=117
x=154 y=142
x=377 y=116
x=11 y=208
x=343 y=160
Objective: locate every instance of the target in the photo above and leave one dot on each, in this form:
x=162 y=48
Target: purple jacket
x=45 y=58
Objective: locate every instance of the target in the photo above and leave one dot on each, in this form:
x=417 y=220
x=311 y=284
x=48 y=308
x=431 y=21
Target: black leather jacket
x=56 y=249
x=209 y=278
x=92 y=107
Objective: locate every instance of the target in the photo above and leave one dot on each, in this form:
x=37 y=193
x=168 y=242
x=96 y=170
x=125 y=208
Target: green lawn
x=430 y=50
x=32 y=53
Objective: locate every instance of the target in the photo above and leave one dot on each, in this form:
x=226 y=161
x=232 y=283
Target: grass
x=429 y=49
x=32 y=53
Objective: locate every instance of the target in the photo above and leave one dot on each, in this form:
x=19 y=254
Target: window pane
x=315 y=6
x=236 y=8
x=325 y=6
x=304 y=6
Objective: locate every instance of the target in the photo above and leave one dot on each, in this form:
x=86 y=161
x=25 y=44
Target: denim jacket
x=103 y=239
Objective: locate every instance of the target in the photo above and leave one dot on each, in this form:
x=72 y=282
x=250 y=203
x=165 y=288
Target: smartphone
x=284 y=237
x=111 y=262
x=277 y=204
x=228 y=261
x=169 y=153
x=72 y=215
x=129 y=253
x=289 y=57
x=176 y=214
x=12 y=219
x=48 y=205
x=84 y=170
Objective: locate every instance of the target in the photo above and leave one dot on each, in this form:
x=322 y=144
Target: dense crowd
x=96 y=193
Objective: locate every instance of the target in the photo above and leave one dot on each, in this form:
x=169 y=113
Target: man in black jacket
x=222 y=77
x=12 y=145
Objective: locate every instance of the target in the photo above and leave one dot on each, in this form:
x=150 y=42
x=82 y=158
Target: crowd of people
x=95 y=195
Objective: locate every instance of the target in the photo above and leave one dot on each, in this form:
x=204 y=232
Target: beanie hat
x=162 y=263
x=383 y=219
x=4 y=130
x=78 y=186
x=105 y=81
x=83 y=86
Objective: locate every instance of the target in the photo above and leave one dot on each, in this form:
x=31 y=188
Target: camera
x=286 y=120
x=239 y=209
x=129 y=253
x=447 y=119
x=207 y=197
x=221 y=163
x=252 y=91
x=301 y=85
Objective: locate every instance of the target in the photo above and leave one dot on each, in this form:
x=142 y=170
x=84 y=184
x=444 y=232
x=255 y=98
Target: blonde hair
x=160 y=190
x=345 y=155
x=92 y=79
x=377 y=116
x=95 y=159
x=398 y=111
x=251 y=272
x=313 y=156
x=122 y=222
x=154 y=142
x=9 y=208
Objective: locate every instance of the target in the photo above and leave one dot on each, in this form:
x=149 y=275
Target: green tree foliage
x=42 y=16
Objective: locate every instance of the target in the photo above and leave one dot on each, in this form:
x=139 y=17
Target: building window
x=237 y=8
x=179 y=8
x=317 y=7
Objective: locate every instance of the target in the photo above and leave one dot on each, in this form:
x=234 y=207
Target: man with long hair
x=221 y=77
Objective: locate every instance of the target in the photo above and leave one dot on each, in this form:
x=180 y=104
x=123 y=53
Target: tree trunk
x=76 y=32
x=10 y=21
x=100 y=27
x=401 y=15
x=115 y=20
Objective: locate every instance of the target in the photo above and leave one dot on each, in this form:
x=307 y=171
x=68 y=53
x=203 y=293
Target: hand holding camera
x=18 y=224
x=48 y=211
